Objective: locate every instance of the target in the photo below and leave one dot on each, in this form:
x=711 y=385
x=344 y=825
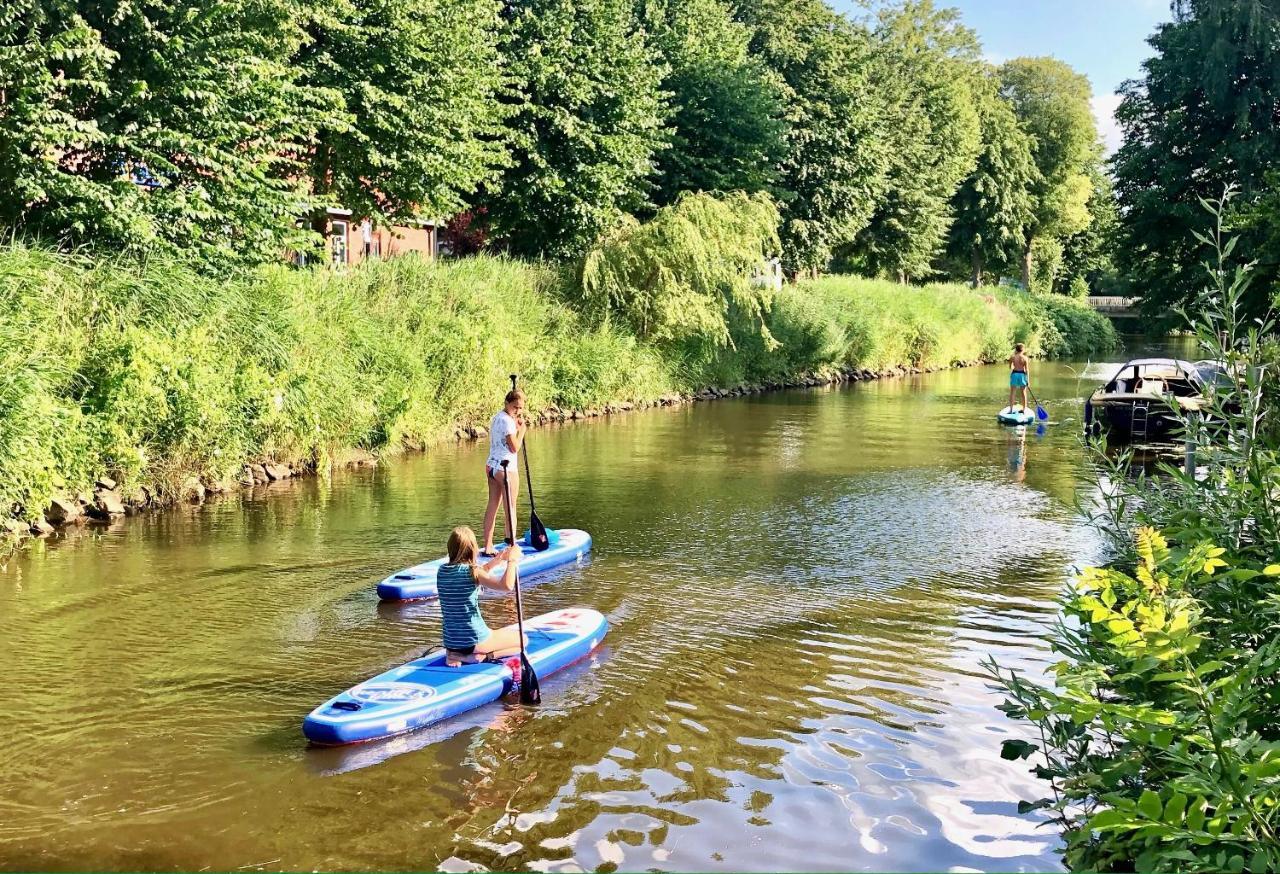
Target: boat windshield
x=1156 y=378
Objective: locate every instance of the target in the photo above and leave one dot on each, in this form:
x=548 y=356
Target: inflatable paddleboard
x=426 y=690
x=419 y=581
x=1015 y=416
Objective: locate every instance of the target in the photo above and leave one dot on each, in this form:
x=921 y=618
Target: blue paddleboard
x=1015 y=416
x=426 y=690
x=419 y=581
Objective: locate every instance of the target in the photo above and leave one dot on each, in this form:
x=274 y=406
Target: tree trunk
x=1026 y=265
x=976 y=278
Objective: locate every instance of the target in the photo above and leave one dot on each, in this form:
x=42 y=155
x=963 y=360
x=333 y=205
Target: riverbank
x=126 y=387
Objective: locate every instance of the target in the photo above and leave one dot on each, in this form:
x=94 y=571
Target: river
x=801 y=586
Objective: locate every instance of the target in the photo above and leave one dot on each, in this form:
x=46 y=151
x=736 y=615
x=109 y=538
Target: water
x=802 y=588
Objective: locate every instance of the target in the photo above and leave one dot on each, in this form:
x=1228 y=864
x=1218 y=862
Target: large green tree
x=418 y=122
x=927 y=68
x=993 y=204
x=137 y=125
x=1051 y=101
x=1089 y=255
x=1202 y=116
x=586 y=126
x=727 y=128
x=836 y=166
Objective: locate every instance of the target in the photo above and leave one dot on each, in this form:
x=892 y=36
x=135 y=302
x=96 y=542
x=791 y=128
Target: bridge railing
x=1112 y=303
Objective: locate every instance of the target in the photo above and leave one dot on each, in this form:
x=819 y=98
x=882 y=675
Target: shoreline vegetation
x=131 y=386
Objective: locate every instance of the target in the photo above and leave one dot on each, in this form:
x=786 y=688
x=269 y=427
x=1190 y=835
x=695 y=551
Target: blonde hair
x=462 y=546
x=514 y=395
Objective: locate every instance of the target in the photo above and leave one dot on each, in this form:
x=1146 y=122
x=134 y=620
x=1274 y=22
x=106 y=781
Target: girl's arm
x=516 y=440
x=506 y=582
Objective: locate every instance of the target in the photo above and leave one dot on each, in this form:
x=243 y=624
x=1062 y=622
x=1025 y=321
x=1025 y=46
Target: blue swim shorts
x=1017 y=379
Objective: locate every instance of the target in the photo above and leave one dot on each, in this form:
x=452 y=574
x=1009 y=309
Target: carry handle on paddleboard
x=530 y=692
x=537 y=531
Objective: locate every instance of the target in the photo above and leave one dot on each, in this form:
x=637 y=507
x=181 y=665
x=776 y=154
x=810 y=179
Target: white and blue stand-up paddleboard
x=427 y=690
x=1011 y=416
x=411 y=584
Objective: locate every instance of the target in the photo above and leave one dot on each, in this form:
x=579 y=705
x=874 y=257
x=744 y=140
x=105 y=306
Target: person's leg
x=510 y=517
x=1024 y=398
x=1012 y=393
x=503 y=642
x=491 y=511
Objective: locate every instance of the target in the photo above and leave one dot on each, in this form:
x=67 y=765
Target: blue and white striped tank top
x=460 y=606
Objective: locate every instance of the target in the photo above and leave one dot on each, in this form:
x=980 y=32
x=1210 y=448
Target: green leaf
x=1012 y=750
x=1149 y=804
x=1028 y=806
x=1174 y=810
x=1109 y=819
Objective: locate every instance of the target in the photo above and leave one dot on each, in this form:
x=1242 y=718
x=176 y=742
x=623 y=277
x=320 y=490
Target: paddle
x=530 y=692
x=537 y=531
x=1041 y=413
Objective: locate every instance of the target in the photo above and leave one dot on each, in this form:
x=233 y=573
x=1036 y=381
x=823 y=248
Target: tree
x=418 y=122
x=139 y=125
x=836 y=166
x=927 y=68
x=1089 y=254
x=585 y=128
x=1051 y=101
x=993 y=205
x=727 y=128
x=1202 y=117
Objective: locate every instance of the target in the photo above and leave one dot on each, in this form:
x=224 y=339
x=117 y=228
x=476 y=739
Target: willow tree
x=684 y=277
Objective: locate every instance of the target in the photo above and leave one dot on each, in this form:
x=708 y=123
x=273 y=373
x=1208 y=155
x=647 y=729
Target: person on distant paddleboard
x=506 y=436
x=467 y=638
x=1019 y=365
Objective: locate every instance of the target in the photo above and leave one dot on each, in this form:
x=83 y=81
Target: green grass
x=154 y=373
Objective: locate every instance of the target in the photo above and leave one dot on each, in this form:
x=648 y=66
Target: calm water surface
x=801 y=587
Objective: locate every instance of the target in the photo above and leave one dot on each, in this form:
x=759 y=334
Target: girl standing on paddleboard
x=1019 y=365
x=506 y=436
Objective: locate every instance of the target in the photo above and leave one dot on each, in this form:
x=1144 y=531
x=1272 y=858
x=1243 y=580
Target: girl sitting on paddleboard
x=1019 y=365
x=506 y=435
x=466 y=636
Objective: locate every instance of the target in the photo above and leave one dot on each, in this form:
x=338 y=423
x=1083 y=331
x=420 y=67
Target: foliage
x=174 y=126
x=1089 y=255
x=837 y=159
x=680 y=278
x=993 y=204
x=1159 y=734
x=727 y=128
x=1201 y=117
x=418 y=125
x=926 y=68
x=1052 y=103
x=586 y=127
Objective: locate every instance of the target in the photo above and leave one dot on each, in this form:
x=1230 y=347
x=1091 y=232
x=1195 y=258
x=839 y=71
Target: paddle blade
x=530 y=691
x=1041 y=413
x=538 y=538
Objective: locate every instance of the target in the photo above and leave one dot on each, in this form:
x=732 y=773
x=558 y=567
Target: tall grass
x=154 y=373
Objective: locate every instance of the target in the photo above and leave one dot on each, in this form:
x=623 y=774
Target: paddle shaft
x=529 y=680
